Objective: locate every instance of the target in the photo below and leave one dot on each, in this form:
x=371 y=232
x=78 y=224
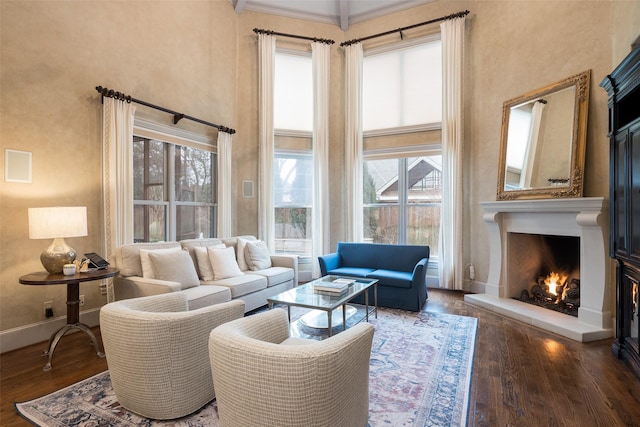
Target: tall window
x=293 y=161
x=402 y=200
x=174 y=191
x=402 y=190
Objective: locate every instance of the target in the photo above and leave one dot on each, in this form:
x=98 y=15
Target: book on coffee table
x=331 y=293
x=337 y=286
x=343 y=281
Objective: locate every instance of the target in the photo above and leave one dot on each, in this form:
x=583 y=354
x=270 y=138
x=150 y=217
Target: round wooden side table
x=73 y=303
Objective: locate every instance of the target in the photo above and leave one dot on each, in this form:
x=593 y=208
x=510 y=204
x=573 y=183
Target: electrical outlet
x=48 y=309
x=472 y=272
x=81 y=300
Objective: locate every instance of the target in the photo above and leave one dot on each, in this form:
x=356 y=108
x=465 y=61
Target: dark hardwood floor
x=522 y=376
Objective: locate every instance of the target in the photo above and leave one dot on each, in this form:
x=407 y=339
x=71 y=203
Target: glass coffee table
x=305 y=296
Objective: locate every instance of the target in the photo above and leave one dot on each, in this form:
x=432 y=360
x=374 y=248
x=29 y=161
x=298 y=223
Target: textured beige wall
x=626 y=19
x=176 y=54
x=201 y=58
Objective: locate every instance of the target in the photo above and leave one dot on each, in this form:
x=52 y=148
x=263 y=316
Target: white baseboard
x=476 y=287
x=34 y=333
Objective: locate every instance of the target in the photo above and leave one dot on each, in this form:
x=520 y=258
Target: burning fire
x=553 y=280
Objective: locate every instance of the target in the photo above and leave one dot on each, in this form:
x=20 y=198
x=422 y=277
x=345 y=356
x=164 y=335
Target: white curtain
x=353 y=142
x=117 y=145
x=266 y=64
x=117 y=177
x=532 y=145
x=450 y=254
x=320 y=55
x=224 y=184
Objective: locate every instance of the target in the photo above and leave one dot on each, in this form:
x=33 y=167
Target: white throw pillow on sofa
x=257 y=255
x=223 y=262
x=147 y=268
x=175 y=266
x=204 y=264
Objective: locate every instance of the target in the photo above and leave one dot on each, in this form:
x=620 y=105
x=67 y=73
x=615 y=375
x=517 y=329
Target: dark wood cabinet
x=623 y=87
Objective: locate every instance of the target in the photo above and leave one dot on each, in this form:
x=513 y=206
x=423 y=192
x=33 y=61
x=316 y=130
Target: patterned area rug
x=420 y=374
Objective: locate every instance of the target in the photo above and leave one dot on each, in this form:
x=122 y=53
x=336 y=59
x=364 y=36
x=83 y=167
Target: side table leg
x=53 y=342
x=94 y=340
x=55 y=339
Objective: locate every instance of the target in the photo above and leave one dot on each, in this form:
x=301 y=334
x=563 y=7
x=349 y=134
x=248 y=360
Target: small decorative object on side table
x=73 y=302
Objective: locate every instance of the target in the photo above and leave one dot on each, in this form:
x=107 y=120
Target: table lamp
x=57 y=223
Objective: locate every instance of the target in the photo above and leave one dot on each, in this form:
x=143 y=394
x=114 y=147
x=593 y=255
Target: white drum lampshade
x=57 y=223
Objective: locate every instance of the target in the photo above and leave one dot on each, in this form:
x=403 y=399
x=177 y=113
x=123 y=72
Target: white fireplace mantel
x=586 y=218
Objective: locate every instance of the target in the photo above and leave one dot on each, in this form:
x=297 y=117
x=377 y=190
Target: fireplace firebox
x=546 y=271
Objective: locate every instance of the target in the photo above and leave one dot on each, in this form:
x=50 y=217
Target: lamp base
x=57 y=255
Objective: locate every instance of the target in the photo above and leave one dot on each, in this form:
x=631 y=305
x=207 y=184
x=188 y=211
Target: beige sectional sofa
x=156 y=268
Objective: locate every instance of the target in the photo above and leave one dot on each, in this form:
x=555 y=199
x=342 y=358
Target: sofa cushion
x=203 y=296
x=351 y=271
x=191 y=244
x=174 y=266
x=241 y=245
x=257 y=255
x=383 y=256
x=223 y=263
x=276 y=275
x=204 y=264
x=395 y=279
x=148 y=271
x=127 y=257
x=241 y=285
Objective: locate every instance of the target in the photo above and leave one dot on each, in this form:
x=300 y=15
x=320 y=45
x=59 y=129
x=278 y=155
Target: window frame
x=294 y=153
x=428 y=129
x=172 y=137
x=402 y=154
x=300 y=148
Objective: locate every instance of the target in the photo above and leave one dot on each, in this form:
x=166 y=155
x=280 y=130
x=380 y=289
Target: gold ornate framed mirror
x=543 y=140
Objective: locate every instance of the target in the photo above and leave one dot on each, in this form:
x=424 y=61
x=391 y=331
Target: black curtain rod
x=274 y=33
x=176 y=116
x=400 y=30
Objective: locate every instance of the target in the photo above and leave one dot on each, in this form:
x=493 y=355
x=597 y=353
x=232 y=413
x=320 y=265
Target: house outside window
x=174 y=191
x=293 y=155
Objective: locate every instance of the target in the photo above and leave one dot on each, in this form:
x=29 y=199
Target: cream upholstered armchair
x=263 y=377
x=157 y=352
